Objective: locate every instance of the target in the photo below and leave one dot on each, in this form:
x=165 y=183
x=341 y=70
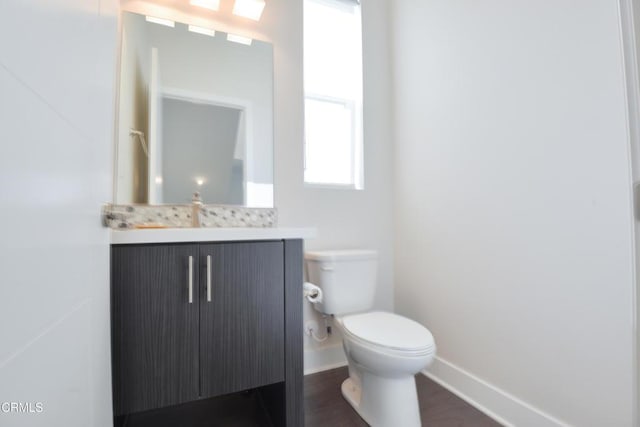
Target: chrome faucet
x=196 y=206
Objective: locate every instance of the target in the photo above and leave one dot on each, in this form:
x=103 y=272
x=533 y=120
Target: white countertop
x=177 y=235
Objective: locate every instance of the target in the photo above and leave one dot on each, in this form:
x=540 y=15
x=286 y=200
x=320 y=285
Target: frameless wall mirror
x=195 y=114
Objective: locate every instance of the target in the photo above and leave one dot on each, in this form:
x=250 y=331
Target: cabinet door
x=154 y=326
x=242 y=327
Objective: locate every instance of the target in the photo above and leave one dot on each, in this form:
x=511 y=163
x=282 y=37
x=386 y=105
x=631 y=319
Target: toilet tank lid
x=341 y=255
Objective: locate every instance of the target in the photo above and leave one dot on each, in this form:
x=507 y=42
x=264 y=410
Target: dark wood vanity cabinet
x=154 y=328
x=200 y=320
x=242 y=327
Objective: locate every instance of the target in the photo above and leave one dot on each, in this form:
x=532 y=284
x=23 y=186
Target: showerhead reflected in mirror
x=195 y=114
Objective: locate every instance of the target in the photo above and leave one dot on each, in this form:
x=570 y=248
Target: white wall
x=344 y=218
x=513 y=215
x=630 y=14
x=57 y=63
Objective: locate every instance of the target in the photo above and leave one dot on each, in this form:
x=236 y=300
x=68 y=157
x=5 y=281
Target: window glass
x=333 y=92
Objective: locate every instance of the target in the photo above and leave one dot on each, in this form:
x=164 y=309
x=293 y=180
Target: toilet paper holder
x=312 y=293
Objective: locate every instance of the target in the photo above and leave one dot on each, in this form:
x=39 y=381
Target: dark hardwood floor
x=324 y=405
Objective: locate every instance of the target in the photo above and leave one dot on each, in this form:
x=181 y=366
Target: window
x=333 y=93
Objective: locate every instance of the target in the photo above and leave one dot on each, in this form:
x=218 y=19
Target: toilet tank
x=347 y=279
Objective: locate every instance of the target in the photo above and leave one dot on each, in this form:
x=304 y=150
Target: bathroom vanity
x=201 y=314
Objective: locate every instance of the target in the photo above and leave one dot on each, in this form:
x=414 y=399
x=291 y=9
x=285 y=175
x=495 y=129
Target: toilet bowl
x=384 y=350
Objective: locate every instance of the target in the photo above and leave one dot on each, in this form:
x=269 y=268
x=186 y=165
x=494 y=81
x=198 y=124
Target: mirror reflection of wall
x=204 y=108
x=135 y=70
x=199 y=144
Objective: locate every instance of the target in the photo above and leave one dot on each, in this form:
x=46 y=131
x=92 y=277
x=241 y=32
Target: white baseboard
x=496 y=403
x=324 y=358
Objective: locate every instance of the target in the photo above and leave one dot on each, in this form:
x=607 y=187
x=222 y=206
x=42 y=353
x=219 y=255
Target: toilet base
x=352 y=394
x=386 y=402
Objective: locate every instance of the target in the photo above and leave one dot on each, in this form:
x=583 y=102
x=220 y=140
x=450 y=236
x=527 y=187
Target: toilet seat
x=388 y=332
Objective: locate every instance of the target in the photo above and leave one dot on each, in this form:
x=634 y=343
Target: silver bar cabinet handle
x=208 y=278
x=190 y=279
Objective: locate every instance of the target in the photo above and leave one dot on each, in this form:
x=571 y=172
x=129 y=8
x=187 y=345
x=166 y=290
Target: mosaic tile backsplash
x=123 y=217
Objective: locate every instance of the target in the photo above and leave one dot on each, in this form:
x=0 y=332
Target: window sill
x=327 y=186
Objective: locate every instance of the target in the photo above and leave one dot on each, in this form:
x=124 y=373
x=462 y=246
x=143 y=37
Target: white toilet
x=384 y=350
